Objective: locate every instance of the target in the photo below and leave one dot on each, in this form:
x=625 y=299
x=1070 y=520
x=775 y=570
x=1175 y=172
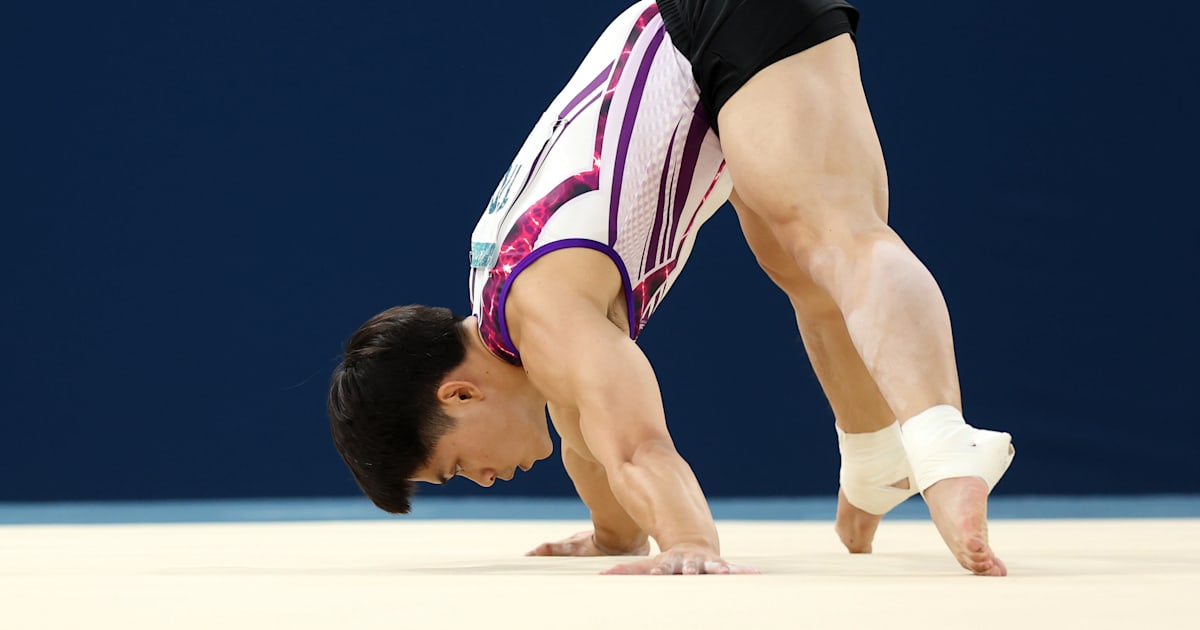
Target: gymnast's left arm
x=623 y=426
x=581 y=361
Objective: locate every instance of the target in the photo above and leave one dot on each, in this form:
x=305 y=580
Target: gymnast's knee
x=837 y=254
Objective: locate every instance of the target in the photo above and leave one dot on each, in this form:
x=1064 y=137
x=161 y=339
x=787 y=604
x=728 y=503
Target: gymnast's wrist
x=611 y=543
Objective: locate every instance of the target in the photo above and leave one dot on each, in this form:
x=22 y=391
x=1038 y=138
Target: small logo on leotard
x=484 y=255
x=500 y=197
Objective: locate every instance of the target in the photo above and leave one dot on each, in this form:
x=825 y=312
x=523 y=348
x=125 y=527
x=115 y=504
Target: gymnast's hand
x=584 y=544
x=681 y=559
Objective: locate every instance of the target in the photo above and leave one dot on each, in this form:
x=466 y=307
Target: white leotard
x=623 y=161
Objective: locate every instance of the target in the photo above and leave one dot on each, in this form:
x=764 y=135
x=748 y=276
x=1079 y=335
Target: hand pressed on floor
x=584 y=544
x=681 y=560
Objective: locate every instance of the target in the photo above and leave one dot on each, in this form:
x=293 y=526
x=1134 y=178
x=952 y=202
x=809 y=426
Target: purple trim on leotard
x=553 y=247
x=631 y=112
x=701 y=113
x=587 y=90
x=660 y=209
x=691 y=151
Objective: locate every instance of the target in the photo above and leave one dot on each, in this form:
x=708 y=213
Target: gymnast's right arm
x=585 y=364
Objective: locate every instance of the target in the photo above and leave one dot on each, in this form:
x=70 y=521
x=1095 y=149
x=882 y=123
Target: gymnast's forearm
x=615 y=532
x=659 y=491
x=595 y=368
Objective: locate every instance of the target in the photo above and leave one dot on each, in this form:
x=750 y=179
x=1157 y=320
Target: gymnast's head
x=417 y=397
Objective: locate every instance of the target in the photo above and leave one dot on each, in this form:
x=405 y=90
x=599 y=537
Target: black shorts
x=729 y=41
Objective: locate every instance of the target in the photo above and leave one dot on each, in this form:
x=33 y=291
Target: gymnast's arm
x=557 y=314
x=614 y=531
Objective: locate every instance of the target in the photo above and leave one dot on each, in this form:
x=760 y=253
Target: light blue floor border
x=358 y=508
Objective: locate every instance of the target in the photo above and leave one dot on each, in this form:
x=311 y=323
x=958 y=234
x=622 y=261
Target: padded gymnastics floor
x=1099 y=563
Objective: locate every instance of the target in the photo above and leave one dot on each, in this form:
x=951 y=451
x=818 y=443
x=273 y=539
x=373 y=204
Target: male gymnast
x=678 y=107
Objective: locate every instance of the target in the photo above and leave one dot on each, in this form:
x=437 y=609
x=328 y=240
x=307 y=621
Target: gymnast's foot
x=959 y=509
x=855 y=527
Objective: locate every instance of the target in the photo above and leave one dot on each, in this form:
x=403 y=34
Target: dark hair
x=383 y=407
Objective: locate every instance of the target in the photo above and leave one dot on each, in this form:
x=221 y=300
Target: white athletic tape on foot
x=941 y=445
x=871 y=464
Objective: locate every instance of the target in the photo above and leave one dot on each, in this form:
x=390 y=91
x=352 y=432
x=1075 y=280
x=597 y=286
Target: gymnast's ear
x=458 y=393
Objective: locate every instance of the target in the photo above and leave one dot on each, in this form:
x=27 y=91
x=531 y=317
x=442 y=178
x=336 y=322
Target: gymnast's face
x=494 y=435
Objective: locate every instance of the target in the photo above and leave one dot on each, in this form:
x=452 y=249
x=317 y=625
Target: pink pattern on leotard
x=520 y=240
x=517 y=245
x=647 y=289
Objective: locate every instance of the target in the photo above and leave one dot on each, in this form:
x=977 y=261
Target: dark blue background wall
x=201 y=201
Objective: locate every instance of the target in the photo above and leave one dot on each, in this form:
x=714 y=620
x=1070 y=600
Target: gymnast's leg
x=860 y=412
x=803 y=153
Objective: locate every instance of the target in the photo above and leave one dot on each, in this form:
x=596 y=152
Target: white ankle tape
x=871 y=464
x=941 y=445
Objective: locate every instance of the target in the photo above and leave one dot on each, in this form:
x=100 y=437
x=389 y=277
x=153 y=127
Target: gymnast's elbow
x=653 y=455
